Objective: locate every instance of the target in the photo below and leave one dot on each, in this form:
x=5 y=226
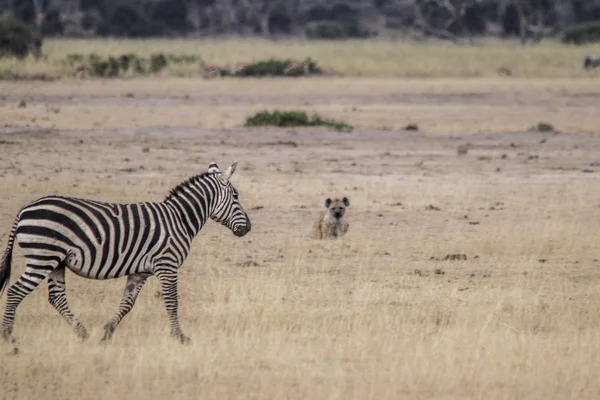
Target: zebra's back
x=95 y=240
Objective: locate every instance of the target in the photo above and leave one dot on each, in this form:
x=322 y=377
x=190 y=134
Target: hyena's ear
x=346 y=201
x=229 y=171
x=328 y=203
x=213 y=167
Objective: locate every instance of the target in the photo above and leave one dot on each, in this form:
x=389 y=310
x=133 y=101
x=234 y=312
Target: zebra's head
x=228 y=211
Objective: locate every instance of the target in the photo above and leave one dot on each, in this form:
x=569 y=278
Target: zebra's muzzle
x=243 y=230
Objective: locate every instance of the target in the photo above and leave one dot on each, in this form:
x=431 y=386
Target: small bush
x=17 y=39
x=108 y=68
x=158 y=62
x=97 y=66
x=262 y=68
x=274 y=67
x=139 y=66
x=126 y=61
x=543 y=127
x=112 y=67
x=582 y=33
x=293 y=118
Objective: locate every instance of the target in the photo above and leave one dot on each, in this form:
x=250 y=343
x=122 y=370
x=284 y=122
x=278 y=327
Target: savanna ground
x=462 y=275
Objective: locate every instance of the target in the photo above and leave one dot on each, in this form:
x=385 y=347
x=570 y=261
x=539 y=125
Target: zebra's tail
x=6 y=264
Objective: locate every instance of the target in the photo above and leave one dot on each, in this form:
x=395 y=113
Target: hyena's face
x=337 y=207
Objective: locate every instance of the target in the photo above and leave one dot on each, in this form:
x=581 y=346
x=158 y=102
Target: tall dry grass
x=377 y=57
x=348 y=319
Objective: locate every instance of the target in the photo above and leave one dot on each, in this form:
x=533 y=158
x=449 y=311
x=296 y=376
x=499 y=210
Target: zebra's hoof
x=7 y=336
x=105 y=340
x=184 y=339
x=108 y=333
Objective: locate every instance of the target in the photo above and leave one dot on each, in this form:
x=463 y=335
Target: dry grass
x=274 y=315
x=386 y=58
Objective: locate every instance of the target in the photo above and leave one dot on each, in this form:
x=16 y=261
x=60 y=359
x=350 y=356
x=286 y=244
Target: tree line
x=455 y=20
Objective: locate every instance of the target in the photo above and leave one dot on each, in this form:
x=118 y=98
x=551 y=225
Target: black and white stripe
x=591 y=61
x=99 y=240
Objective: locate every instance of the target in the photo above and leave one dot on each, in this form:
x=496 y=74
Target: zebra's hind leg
x=27 y=283
x=57 y=296
x=134 y=285
x=168 y=285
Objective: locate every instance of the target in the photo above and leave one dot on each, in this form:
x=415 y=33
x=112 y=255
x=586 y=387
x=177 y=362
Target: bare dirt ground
x=462 y=275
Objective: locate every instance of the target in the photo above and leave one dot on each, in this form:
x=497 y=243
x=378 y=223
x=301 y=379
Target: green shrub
x=113 y=68
x=274 y=67
x=108 y=68
x=588 y=32
x=97 y=66
x=126 y=61
x=543 y=127
x=279 y=118
x=158 y=62
x=17 y=39
x=139 y=66
x=293 y=118
x=263 y=68
x=117 y=66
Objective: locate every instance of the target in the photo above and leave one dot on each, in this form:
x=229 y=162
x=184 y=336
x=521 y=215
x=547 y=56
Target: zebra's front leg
x=168 y=285
x=57 y=296
x=134 y=285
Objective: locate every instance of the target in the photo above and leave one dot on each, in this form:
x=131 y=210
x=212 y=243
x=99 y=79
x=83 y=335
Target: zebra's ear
x=229 y=171
x=213 y=167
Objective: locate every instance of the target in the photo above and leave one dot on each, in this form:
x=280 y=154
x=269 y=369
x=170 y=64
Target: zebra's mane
x=186 y=184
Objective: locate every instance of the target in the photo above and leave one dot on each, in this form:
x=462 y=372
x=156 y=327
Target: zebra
x=591 y=61
x=99 y=240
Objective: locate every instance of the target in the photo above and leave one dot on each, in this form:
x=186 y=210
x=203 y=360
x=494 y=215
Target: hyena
x=331 y=224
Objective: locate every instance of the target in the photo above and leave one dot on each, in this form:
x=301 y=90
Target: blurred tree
x=455 y=20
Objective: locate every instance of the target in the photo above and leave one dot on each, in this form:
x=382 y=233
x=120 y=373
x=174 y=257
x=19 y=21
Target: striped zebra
x=591 y=62
x=98 y=240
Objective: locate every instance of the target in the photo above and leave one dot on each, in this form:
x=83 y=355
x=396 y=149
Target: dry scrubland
x=462 y=276
x=391 y=58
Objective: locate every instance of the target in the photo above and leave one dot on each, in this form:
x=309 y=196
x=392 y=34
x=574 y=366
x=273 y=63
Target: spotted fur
x=332 y=223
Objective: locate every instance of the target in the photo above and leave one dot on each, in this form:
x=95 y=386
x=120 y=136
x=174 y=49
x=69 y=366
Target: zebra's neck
x=193 y=201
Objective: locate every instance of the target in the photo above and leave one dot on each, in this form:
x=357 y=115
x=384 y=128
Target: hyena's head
x=337 y=207
x=229 y=211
